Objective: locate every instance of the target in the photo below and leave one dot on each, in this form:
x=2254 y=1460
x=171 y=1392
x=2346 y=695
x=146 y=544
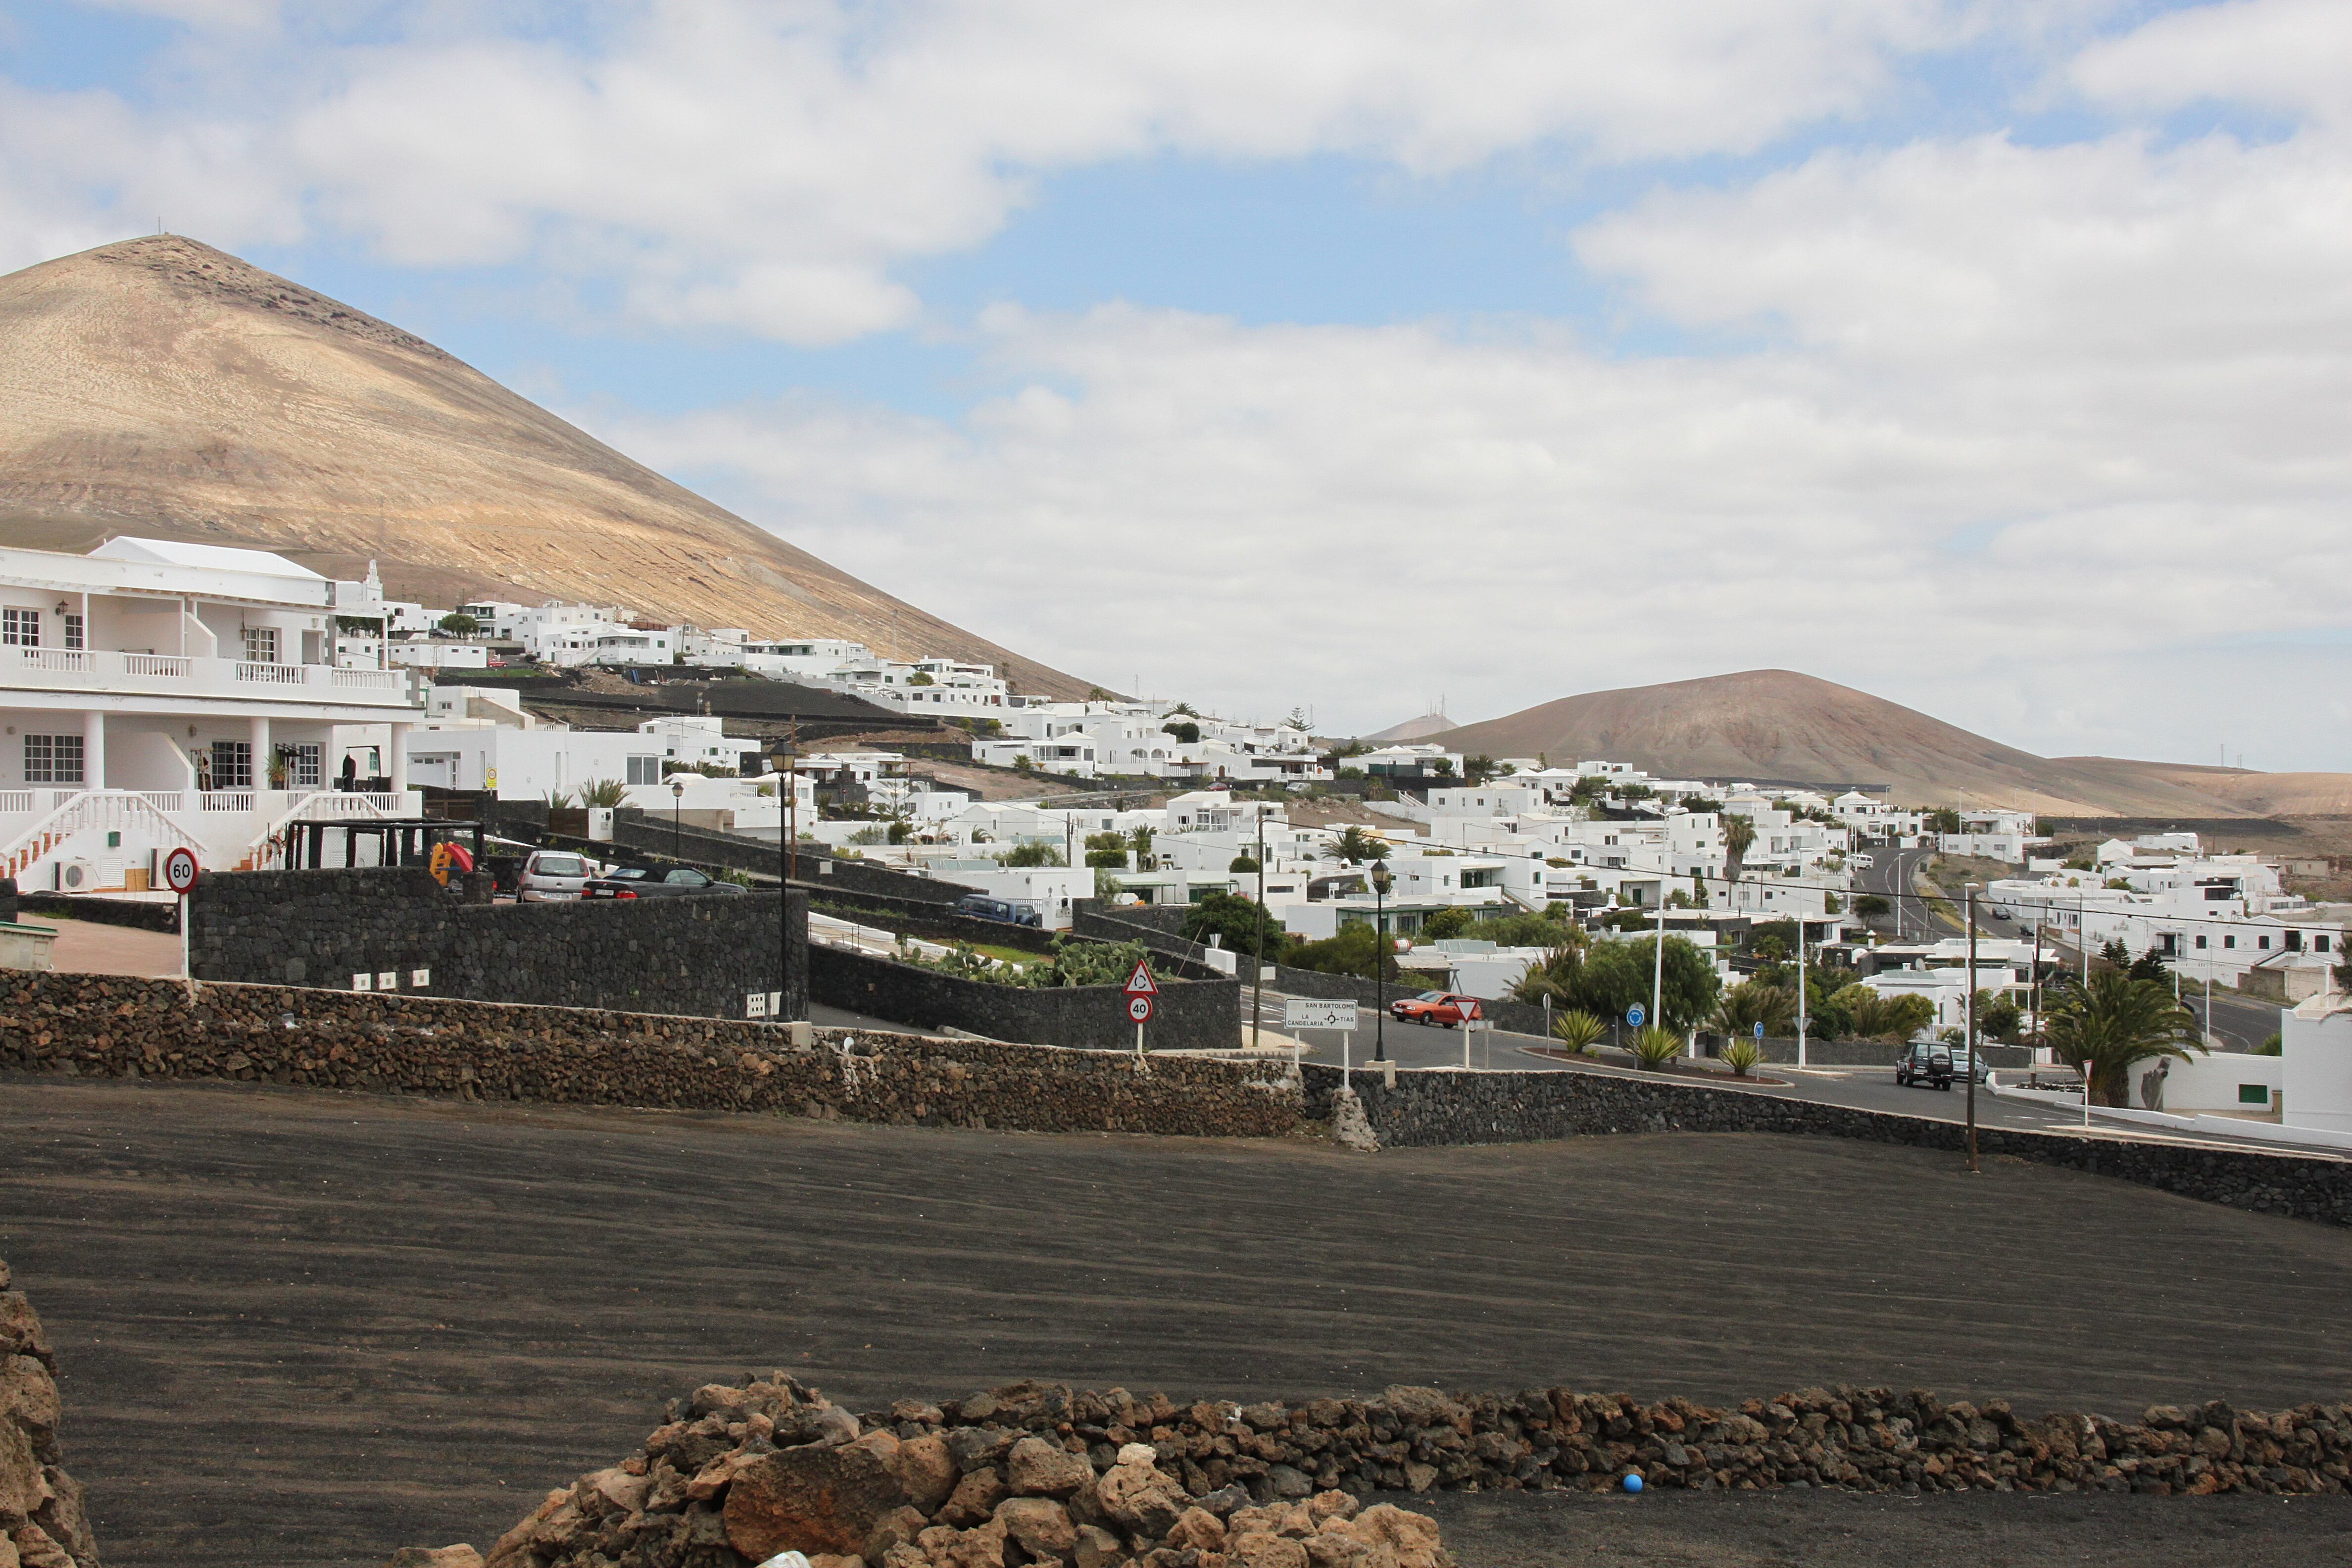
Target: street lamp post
x=787 y=823
x=1970 y=1014
x=1257 y=990
x=676 y=819
x=1381 y=882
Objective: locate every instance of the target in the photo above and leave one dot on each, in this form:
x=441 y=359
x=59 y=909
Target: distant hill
x=161 y=387
x=1777 y=726
x=1420 y=729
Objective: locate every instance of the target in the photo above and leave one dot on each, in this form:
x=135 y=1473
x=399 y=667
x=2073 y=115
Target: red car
x=1446 y=1009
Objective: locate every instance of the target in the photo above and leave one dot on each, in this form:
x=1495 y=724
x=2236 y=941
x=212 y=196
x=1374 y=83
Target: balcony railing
x=180 y=675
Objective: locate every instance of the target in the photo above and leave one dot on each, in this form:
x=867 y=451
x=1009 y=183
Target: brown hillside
x=1779 y=726
x=2265 y=795
x=162 y=388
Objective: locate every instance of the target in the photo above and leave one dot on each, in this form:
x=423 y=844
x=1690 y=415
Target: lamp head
x=677 y=787
x=1381 y=879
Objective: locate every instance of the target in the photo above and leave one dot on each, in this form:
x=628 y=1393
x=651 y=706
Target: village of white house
x=235 y=705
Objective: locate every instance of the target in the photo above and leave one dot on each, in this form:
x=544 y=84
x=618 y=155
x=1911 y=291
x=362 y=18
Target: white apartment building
x=2221 y=917
x=158 y=695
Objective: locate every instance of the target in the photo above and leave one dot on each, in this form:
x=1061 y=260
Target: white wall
x=2316 y=1047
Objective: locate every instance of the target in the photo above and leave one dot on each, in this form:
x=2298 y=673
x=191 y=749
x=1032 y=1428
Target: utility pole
x=1658 y=968
x=1801 y=1017
x=1971 y=1031
x=1257 y=991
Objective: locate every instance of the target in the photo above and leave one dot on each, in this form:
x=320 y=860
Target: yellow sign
x=440 y=864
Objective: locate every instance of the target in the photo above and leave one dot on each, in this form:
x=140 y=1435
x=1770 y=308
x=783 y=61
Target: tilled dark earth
x=298 y=1328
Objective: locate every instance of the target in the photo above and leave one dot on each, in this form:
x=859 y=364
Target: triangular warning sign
x=1141 y=983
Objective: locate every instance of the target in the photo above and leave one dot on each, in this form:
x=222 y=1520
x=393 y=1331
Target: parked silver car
x=554 y=877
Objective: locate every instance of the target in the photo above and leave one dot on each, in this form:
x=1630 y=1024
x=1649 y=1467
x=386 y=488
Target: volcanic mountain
x=158 y=386
x=1775 y=726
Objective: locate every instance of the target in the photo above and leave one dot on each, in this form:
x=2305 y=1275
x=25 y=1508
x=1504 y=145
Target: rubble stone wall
x=41 y=1517
x=124 y=1027
x=701 y=955
x=1034 y=1472
x=1440 y=1109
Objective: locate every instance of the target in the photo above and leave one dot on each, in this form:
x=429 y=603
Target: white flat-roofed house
x=157 y=695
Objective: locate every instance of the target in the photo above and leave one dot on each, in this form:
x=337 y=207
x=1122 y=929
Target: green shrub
x=2271 y=1046
x=1741 y=1057
x=603 y=794
x=1027 y=854
x=1578 y=1030
x=1654 y=1048
x=1444 y=925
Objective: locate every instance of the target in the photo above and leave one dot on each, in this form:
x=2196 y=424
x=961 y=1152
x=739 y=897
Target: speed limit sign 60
x=180 y=869
x=1140 y=1009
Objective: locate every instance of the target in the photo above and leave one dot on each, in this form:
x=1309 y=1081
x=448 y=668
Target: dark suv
x=1928 y=1062
x=980 y=907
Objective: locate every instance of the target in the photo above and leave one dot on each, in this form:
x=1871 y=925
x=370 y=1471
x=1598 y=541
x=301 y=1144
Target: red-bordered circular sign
x=180 y=869
x=1140 y=1009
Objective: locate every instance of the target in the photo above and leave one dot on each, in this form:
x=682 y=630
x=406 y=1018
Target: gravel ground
x=303 y=1328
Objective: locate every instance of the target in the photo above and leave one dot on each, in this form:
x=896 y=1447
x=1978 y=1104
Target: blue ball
x=1632 y=1483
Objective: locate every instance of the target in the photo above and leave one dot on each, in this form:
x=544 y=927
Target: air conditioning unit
x=76 y=876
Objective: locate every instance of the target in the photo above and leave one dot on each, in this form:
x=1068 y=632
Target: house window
x=2264 y=943
x=74 y=639
x=644 y=770
x=2200 y=944
x=2319 y=944
x=302 y=766
x=2229 y=941
x=262 y=645
x=53 y=759
x=231 y=765
x=2253 y=1094
x=20 y=628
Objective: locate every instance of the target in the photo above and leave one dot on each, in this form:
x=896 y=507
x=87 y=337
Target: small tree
x=458 y=623
x=1021 y=856
x=1025 y=763
x=603 y=793
x=1106 y=850
x=1445 y=925
x=1186 y=732
x=1242 y=863
x=1750 y=1002
x=1944 y=820
x=1240 y=924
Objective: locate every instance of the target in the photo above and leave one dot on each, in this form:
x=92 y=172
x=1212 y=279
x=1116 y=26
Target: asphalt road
x=299 y=1329
x=2237 y=1025
x=1419 y=1045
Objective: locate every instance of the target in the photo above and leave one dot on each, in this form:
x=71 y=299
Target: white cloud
x=765 y=165
x=2286 y=55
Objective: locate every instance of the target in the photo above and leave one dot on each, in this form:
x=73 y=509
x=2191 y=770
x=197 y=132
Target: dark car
x=654 y=882
x=1446 y=1009
x=979 y=907
x=1937 y=1064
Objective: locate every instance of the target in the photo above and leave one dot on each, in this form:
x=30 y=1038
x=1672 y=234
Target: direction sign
x=1635 y=1013
x=1759 y=1028
x=1140 y=1009
x=1318 y=1012
x=1141 y=983
x=180 y=869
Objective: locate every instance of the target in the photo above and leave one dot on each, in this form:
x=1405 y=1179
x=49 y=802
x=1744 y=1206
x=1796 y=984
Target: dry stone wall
x=42 y=1522
x=1034 y=1473
x=123 y=1028
x=699 y=955
x=1191 y=1014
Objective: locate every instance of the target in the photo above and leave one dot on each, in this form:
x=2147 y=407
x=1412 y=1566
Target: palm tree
x=1738 y=837
x=1752 y=1002
x=1553 y=975
x=2100 y=1030
x=1355 y=845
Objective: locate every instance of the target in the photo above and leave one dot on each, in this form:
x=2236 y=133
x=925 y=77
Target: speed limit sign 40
x=180 y=869
x=1140 y=1009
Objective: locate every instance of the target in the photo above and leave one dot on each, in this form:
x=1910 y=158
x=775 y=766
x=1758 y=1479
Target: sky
x=1991 y=356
